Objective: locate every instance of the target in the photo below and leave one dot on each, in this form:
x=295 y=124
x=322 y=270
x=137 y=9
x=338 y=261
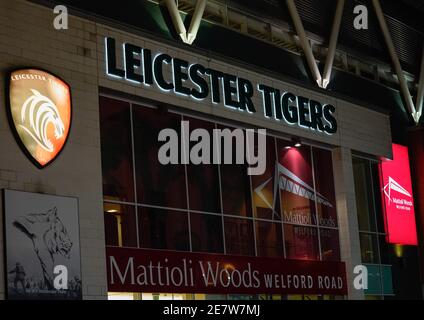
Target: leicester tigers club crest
x=40 y=113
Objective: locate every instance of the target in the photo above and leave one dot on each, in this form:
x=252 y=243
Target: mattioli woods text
x=189 y=272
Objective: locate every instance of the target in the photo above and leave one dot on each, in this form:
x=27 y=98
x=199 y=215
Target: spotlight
x=296 y=142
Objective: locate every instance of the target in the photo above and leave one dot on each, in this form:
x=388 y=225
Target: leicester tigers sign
x=40 y=113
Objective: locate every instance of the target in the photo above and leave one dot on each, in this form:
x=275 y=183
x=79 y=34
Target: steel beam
x=313 y=67
x=395 y=60
x=333 y=43
x=195 y=22
x=176 y=19
x=420 y=94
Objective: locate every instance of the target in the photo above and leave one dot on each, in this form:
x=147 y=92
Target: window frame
x=134 y=103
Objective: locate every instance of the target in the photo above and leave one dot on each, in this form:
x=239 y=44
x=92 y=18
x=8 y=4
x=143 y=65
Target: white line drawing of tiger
x=36 y=113
x=49 y=238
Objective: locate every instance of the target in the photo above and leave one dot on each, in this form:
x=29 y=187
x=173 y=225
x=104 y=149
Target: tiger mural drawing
x=49 y=238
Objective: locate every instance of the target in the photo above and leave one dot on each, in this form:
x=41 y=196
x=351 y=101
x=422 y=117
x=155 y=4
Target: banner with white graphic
x=292 y=177
x=397 y=198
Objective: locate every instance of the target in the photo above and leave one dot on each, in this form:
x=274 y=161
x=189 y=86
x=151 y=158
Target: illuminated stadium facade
x=84 y=107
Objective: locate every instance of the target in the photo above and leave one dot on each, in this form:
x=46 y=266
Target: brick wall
x=27 y=38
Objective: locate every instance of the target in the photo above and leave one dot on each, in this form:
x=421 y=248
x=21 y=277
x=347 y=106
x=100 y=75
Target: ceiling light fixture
x=296 y=142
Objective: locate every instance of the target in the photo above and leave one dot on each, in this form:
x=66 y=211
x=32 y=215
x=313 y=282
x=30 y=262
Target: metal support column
x=304 y=42
x=333 y=43
x=195 y=22
x=176 y=19
x=395 y=60
x=420 y=94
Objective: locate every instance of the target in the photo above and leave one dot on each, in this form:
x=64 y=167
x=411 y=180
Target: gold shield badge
x=40 y=113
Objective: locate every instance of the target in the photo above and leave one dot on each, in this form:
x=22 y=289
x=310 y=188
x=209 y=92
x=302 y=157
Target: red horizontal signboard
x=140 y=270
x=397 y=197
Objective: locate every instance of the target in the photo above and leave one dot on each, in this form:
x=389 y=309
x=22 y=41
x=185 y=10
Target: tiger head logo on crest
x=40 y=109
x=37 y=113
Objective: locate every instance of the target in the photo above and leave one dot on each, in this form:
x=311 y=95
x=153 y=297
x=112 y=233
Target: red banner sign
x=139 y=270
x=398 y=201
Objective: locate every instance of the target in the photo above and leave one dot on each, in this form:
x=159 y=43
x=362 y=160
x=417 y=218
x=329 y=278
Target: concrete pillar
x=350 y=249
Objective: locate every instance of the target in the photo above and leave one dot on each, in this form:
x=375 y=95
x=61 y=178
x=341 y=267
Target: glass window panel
x=266 y=201
x=369 y=249
x=377 y=197
x=163 y=229
x=239 y=236
x=235 y=183
x=330 y=247
x=120 y=225
x=363 y=192
x=157 y=184
x=116 y=146
x=296 y=184
x=384 y=250
x=324 y=183
x=206 y=233
x=301 y=242
x=269 y=239
x=203 y=179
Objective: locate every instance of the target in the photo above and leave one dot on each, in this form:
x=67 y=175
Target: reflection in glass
x=266 y=201
x=203 y=179
x=369 y=249
x=288 y=177
x=157 y=184
x=269 y=239
x=206 y=233
x=235 y=183
x=239 y=236
x=324 y=183
x=120 y=225
x=363 y=193
x=385 y=248
x=296 y=184
x=330 y=247
x=163 y=229
x=378 y=192
x=115 y=131
x=301 y=242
